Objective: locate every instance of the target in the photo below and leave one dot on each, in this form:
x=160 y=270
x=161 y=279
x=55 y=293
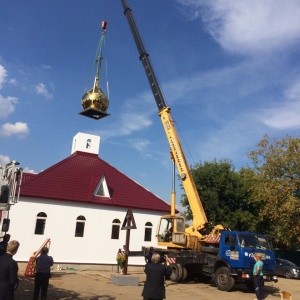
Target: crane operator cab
x=171 y=231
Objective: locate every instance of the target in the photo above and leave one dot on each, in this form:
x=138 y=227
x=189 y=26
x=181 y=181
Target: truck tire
x=176 y=274
x=223 y=280
x=184 y=274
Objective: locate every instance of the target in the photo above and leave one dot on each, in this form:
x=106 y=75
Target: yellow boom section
x=199 y=216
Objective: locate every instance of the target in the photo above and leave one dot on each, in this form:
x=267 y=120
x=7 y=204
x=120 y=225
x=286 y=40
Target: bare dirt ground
x=96 y=285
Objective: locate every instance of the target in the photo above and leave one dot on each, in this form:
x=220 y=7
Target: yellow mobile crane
x=196 y=251
x=171 y=231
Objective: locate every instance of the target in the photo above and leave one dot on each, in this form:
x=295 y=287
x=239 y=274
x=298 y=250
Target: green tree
x=225 y=195
x=277 y=189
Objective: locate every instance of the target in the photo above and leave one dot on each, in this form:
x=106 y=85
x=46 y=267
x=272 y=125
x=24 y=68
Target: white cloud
x=20 y=129
x=134 y=122
x=7 y=106
x=293 y=91
x=125 y=125
x=285 y=115
x=249 y=27
x=237 y=105
x=42 y=90
x=136 y=116
x=3 y=74
x=46 y=67
x=140 y=144
x=231 y=141
x=28 y=170
x=13 y=81
x=284 y=118
x=4 y=160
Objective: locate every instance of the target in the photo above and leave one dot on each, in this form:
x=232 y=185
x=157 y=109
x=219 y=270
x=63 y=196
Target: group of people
x=154 y=287
x=9 y=280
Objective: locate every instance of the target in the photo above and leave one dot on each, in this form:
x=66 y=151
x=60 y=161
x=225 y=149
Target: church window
x=88 y=143
x=40 y=223
x=148 y=232
x=115 y=232
x=79 y=230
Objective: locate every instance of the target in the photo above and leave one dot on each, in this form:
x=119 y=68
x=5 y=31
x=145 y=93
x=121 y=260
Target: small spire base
x=94 y=113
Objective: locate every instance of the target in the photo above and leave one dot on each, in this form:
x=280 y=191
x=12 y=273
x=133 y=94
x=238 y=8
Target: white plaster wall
x=95 y=247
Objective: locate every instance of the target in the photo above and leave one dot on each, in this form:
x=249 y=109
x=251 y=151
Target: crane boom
x=199 y=216
x=144 y=57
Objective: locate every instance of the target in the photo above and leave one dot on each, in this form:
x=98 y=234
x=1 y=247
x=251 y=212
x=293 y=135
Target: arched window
x=148 y=232
x=115 y=229
x=79 y=230
x=40 y=223
x=88 y=143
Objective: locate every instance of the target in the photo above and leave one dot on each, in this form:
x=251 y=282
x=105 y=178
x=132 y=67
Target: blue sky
x=228 y=69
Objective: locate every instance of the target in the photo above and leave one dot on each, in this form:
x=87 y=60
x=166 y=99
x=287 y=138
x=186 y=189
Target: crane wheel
x=223 y=280
x=177 y=272
x=184 y=274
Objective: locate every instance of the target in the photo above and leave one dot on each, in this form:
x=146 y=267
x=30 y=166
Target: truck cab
x=236 y=250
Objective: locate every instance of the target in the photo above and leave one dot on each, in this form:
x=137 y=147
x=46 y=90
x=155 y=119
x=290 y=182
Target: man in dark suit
x=9 y=271
x=156 y=272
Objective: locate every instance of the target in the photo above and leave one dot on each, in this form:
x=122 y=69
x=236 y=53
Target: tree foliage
x=276 y=187
x=225 y=195
x=263 y=199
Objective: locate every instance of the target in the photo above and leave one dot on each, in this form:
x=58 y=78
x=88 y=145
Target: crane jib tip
x=104 y=25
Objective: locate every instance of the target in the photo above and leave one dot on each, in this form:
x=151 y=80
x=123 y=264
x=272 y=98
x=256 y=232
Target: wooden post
x=126 y=248
x=128 y=224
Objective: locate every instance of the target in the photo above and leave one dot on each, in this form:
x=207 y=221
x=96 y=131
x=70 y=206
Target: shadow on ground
x=26 y=287
x=269 y=289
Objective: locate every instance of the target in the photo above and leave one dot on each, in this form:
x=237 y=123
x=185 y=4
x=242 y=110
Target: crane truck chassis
x=227 y=261
x=194 y=252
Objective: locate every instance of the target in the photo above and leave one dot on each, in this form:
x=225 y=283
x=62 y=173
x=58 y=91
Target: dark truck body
x=227 y=262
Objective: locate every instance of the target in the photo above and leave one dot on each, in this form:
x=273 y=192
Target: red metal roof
x=76 y=178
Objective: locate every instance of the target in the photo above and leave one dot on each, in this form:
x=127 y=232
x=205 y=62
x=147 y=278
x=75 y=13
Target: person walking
x=156 y=272
x=9 y=271
x=258 y=276
x=41 y=281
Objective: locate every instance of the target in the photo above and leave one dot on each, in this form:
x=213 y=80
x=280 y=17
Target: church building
x=80 y=203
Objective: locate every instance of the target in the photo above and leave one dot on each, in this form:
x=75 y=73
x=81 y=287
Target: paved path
x=96 y=285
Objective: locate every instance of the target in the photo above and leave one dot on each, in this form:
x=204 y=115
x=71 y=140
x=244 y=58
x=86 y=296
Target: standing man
x=4 y=243
x=41 y=281
x=9 y=271
x=154 y=287
x=148 y=255
x=258 y=276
